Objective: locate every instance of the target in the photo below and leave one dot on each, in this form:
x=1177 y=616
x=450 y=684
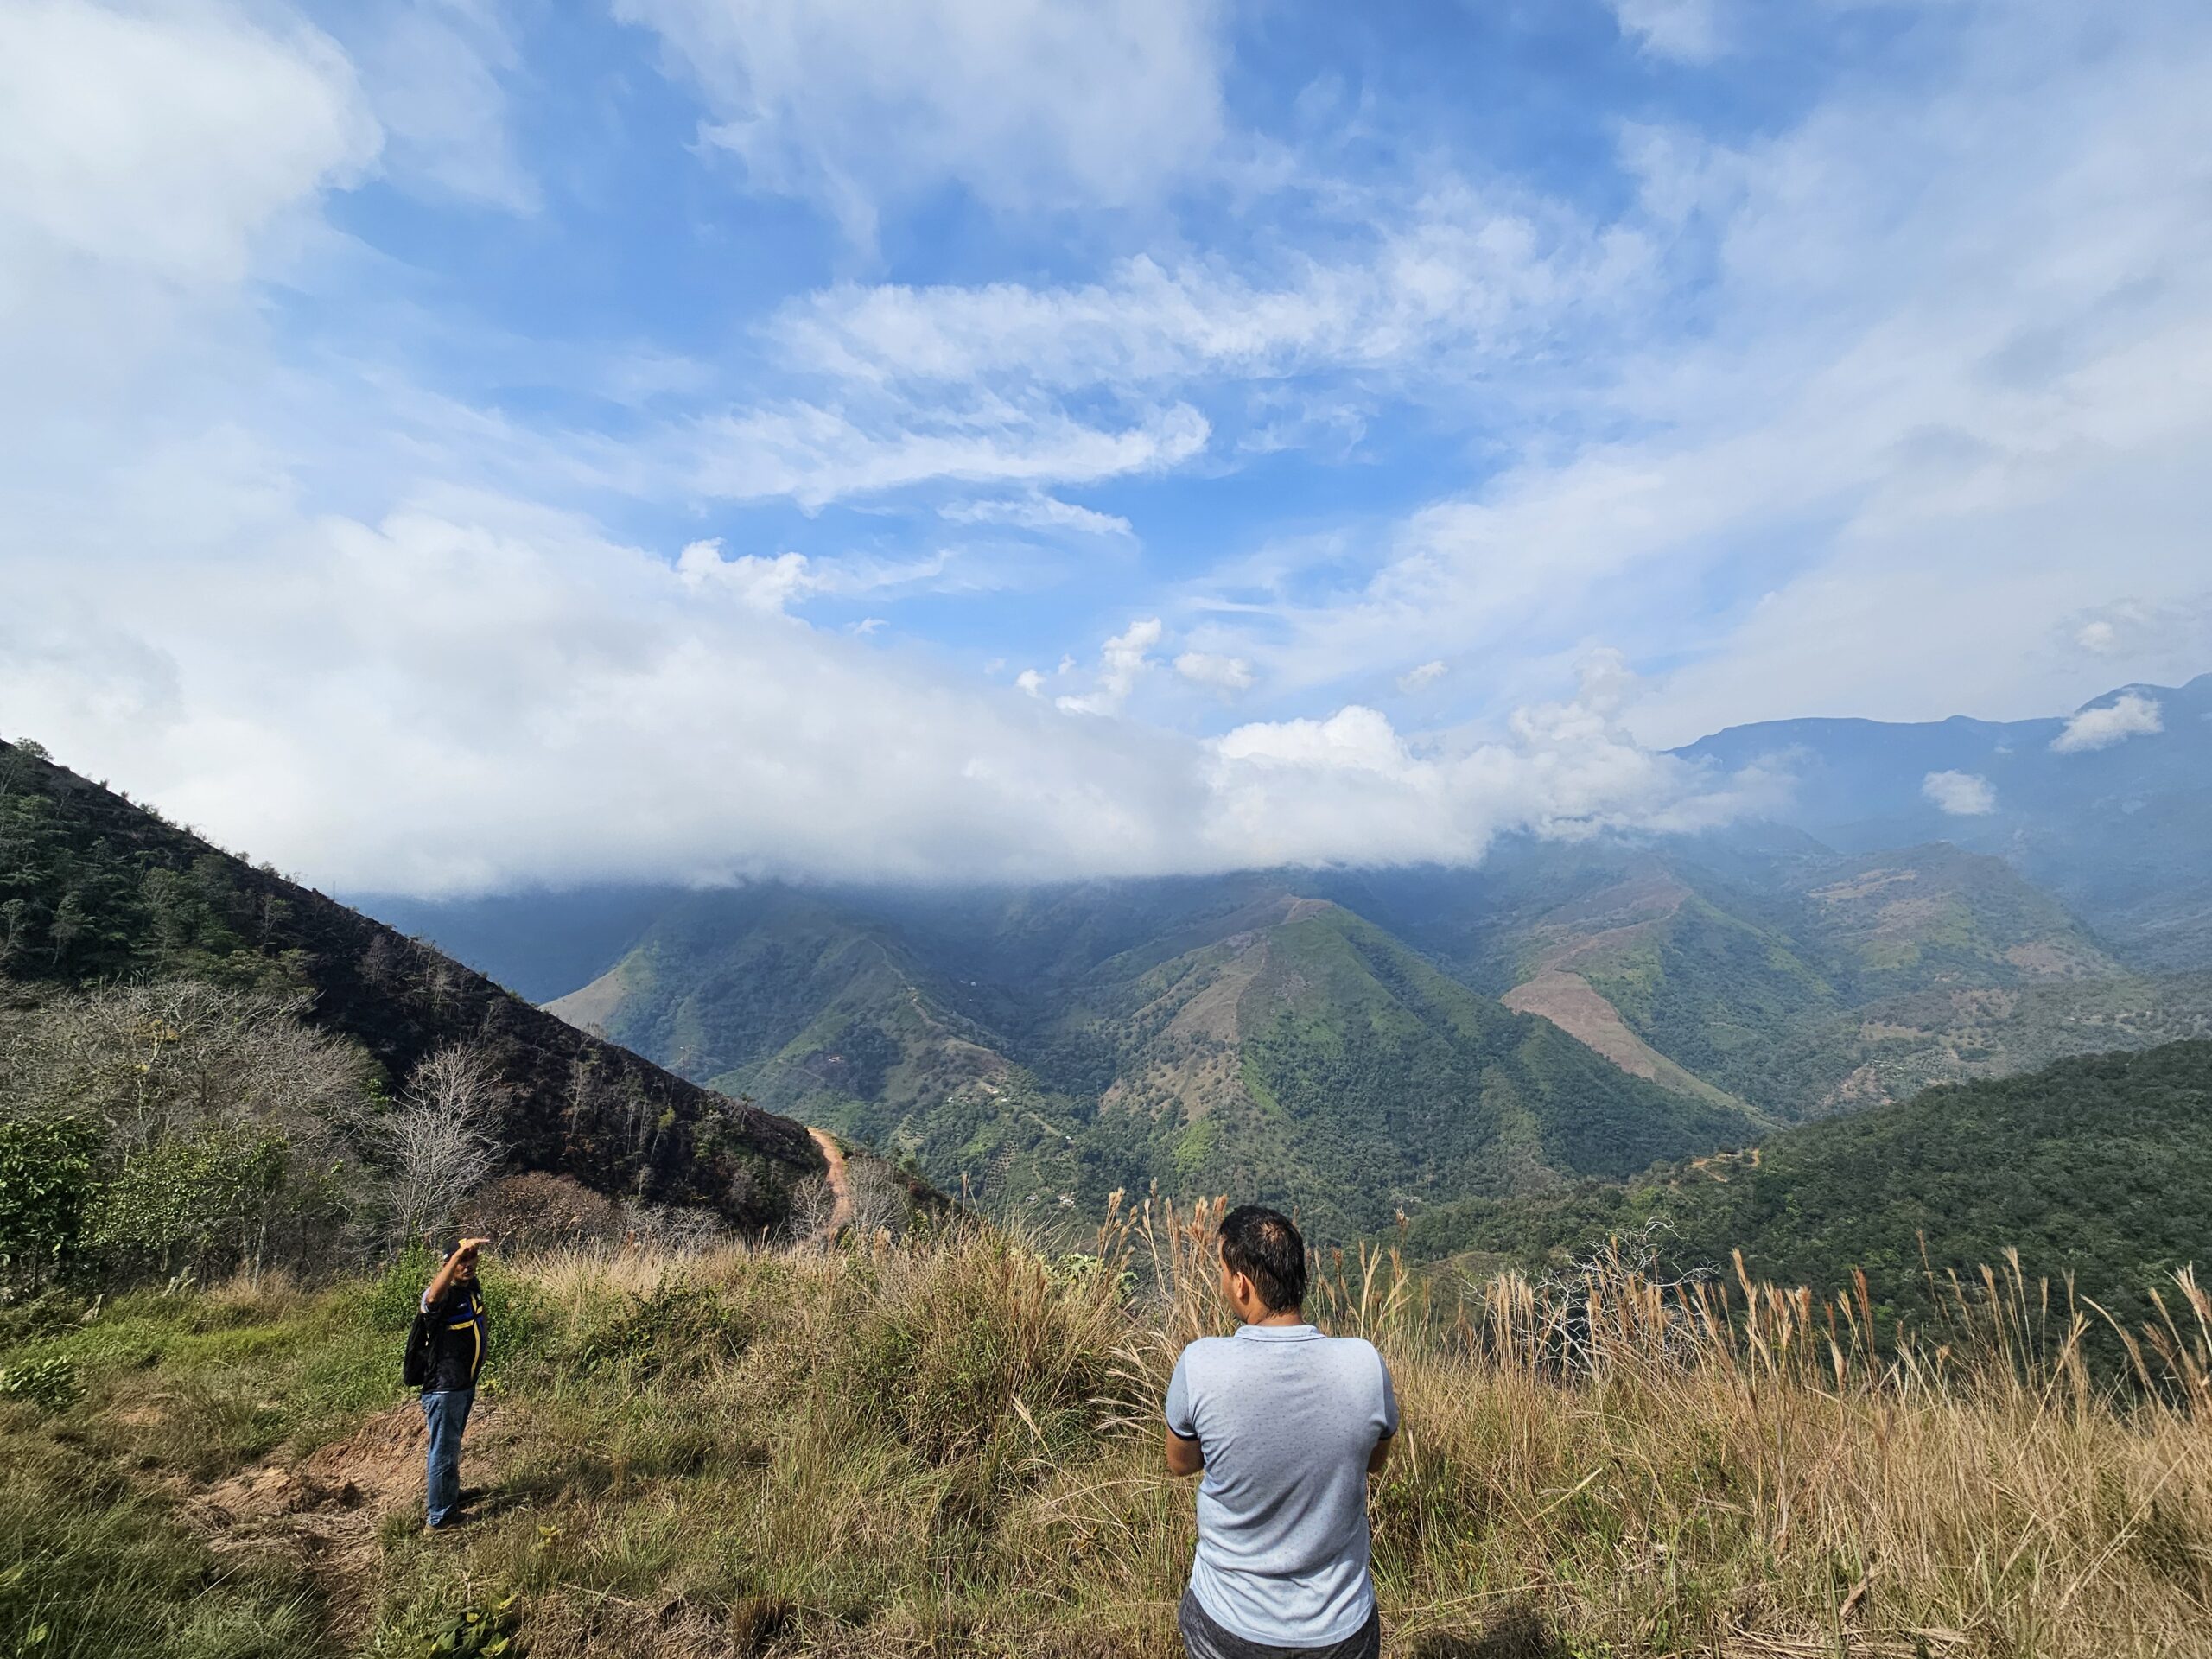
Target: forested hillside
x=1230 y=1036
x=97 y=893
x=1797 y=980
x=2097 y=1167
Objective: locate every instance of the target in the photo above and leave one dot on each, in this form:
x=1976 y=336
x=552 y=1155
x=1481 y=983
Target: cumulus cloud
x=481 y=693
x=2130 y=714
x=1961 y=794
x=1223 y=673
x=1126 y=655
x=1349 y=789
x=1030 y=681
x=773 y=583
x=166 y=141
x=1026 y=103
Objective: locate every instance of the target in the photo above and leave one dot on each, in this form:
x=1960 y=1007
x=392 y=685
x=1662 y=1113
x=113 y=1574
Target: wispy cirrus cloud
x=1023 y=102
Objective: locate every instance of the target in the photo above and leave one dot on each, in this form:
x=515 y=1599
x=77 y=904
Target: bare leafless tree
x=440 y=1143
x=814 y=1205
x=881 y=1203
x=174 y=1057
x=674 y=1229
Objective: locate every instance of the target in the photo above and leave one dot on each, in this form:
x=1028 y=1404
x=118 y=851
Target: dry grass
x=950 y=1444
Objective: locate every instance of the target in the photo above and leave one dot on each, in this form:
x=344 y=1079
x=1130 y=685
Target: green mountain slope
x=1227 y=1036
x=94 y=890
x=2099 y=1166
x=1795 y=981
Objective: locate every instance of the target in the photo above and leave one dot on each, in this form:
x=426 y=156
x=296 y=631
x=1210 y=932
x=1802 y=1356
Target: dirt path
x=840 y=1212
x=324 y=1510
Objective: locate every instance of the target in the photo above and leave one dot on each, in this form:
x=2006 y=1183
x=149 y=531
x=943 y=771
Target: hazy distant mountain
x=2110 y=808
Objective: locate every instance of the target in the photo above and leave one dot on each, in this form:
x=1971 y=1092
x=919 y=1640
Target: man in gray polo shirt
x=1287 y=1424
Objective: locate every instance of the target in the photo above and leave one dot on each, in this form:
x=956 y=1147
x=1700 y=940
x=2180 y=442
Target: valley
x=1360 y=1043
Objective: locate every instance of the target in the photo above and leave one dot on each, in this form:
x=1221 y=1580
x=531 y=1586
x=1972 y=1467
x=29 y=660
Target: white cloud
x=1961 y=794
x=1223 y=673
x=1036 y=512
x=1445 y=285
x=479 y=693
x=760 y=584
x=167 y=141
x=1351 y=789
x=1026 y=103
x=1420 y=678
x=432 y=69
x=772 y=584
x=1123 y=659
x=816 y=456
x=2166 y=641
x=1031 y=682
x=1953 y=390
x=1685 y=30
x=2130 y=714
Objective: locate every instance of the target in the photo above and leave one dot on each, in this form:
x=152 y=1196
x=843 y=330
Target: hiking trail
x=841 y=1211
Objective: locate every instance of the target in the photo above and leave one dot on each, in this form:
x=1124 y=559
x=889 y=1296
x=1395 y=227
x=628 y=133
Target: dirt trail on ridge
x=841 y=1211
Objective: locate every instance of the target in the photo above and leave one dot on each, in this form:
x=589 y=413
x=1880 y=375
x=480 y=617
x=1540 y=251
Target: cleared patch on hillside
x=1569 y=1002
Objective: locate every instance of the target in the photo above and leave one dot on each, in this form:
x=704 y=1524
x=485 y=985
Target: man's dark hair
x=1263 y=1245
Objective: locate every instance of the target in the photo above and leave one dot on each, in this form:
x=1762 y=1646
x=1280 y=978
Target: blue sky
x=454 y=444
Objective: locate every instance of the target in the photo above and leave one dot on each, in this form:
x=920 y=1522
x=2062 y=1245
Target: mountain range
x=1939 y=903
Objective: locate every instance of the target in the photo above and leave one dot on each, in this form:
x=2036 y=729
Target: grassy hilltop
x=949 y=1445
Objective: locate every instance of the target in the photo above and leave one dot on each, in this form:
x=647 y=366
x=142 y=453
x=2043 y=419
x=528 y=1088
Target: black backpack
x=415 y=1365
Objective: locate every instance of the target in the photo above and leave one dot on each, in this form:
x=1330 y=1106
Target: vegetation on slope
x=96 y=890
x=950 y=1446
x=1249 y=1041
x=2097 y=1167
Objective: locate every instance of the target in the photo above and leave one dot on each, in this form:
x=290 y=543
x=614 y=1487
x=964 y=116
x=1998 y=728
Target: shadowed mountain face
x=94 y=889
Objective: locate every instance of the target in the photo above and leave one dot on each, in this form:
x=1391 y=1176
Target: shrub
x=969 y=1333
x=51 y=1382
x=677 y=1329
x=537 y=1212
x=45 y=1182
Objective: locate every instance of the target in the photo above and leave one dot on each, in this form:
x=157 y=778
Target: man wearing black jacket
x=454 y=1304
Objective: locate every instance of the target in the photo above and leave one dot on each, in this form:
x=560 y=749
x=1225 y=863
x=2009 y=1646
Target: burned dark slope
x=96 y=889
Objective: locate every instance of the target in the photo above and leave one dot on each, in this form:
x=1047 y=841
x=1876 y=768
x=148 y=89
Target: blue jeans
x=445 y=1412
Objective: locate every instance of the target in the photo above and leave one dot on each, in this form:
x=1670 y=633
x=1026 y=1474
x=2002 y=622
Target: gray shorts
x=1204 y=1639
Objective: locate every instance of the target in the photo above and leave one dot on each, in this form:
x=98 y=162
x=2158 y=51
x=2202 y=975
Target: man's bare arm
x=1185 y=1456
x=1381 y=1454
x=452 y=1265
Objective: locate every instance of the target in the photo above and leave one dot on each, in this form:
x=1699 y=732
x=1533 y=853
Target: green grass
x=949 y=1446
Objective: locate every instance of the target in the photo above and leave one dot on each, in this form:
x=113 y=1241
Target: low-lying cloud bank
x=473 y=694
